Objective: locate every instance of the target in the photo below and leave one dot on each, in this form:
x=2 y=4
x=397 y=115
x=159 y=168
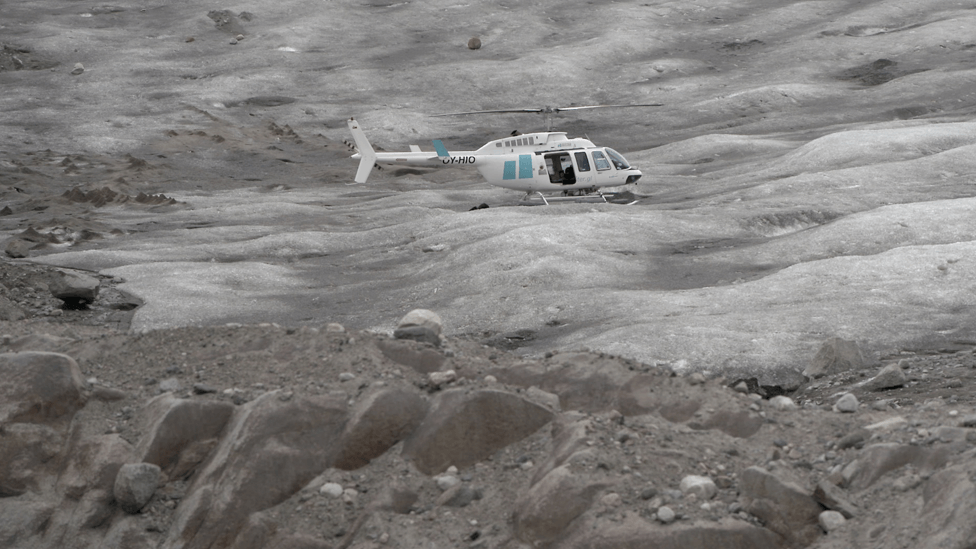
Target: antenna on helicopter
x=548 y=111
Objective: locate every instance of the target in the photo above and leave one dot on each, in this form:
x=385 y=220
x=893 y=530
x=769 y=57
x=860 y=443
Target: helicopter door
x=561 y=171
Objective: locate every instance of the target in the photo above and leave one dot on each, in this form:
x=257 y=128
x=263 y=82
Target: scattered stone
x=968 y=421
x=782 y=403
x=831 y=520
x=331 y=489
x=781 y=503
x=847 y=403
x=701 y=487
x=135 y=485
x=445 y=482
x=855 y=439
x=335 y=328
x=666 y=515
x=203 y=389
x=474 y=43
x=79 y=68
x=347 y=376
x=170 y=385
x=888 y=424
x=696 y=378
x=436 y=379
x=890 y=377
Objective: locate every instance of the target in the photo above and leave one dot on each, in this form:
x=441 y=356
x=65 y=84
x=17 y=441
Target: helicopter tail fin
x=366 y=152
x=441 y=149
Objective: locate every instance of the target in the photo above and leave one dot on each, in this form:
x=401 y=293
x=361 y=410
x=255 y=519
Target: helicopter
x=535 y=163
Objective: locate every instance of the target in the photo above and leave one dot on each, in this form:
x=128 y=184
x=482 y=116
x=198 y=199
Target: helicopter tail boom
x=366 y=153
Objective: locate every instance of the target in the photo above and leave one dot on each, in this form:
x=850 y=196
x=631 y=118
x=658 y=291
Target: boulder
x=836 y=355
x=420 y=325
x=634 y=533
x=18 y=248
x=27 y=453
x=23 y=518
x=421 y=358
x=544 y=513
x=74 y=288
x=179 y=433
x=876 y=460
x=93 y=464
x=890 y=377
x=269 y=450
x=782 y=504
x=834 y=498
x=379 y=421
x=38 y=387
x=465 y=427
x=583 y=381
x=135 y=485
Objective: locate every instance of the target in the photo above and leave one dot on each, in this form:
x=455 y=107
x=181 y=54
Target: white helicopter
x=536 y=163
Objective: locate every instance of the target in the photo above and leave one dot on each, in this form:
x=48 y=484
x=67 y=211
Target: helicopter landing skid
x=537 y=198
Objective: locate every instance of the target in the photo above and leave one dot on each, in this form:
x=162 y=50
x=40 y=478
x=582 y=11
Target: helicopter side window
x=582 y=162
x=601 y=161
x=618 y=159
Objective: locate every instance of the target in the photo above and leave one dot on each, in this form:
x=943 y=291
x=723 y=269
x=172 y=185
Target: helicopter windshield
x=618 y=159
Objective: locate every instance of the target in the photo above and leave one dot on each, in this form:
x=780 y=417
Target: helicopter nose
x=633 y=178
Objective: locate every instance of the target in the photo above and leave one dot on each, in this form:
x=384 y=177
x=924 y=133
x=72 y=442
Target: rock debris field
x=210 y=338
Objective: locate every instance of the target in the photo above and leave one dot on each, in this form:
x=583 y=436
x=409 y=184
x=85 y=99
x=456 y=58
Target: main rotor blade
x=557 y=109
x=498 y=111
x=549 y=109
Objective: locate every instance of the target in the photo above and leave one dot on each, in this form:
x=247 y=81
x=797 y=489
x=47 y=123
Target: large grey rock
x=420 y=325
x=634 y=533
x=583 y=381
x=890 y=377
x=93 y=464
x=464 y=427
x=876 y=460
x=783 y=505
x=27 y=453
x=74 y=288
x=22 y=518
x=420 y=357
x=833 y=497
x=38 y=387
x=135 y=485
x=544 y=513
x=179 y=433
x=269 y=450
x=378 y=422
x=836 y=355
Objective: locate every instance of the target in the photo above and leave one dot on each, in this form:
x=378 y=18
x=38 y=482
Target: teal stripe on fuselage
x=509 y=172
x=525 y=166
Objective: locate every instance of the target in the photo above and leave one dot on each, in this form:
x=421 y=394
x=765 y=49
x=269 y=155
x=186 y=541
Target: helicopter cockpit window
x=618 y=159
x=582 y=162
x=601 y=161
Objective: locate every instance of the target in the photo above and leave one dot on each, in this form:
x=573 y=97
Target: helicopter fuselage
x=533 y=163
